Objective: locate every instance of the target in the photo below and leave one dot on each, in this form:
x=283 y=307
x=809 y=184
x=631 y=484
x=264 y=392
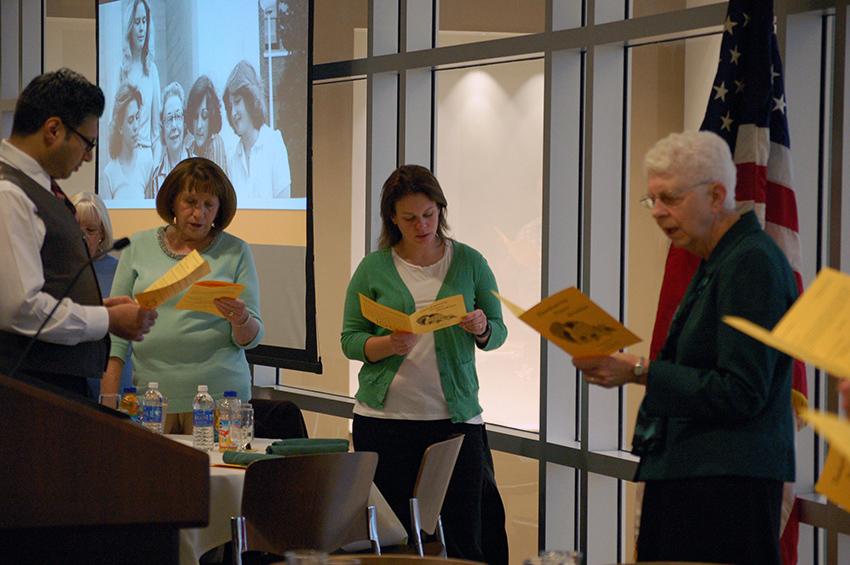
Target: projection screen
x=227 y=80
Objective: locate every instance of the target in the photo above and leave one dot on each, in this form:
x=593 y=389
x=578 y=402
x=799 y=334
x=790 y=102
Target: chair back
x=307 y=501
x=435 y=472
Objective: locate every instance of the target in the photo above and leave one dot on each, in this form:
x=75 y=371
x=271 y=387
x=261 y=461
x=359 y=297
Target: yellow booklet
x=436 y=316
x=576 y=324
x=816 y=329
x=179 y=277
x=834 y=481
x=201 y=296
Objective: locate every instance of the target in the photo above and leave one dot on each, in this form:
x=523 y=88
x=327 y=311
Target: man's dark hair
x=65 y=94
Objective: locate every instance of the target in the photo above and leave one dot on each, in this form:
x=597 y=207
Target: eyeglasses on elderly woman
x=671 y=199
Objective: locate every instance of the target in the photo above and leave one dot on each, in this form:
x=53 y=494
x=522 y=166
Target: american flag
x=747 y=108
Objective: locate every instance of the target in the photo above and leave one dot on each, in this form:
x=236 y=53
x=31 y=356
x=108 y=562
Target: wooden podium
x=81 y=485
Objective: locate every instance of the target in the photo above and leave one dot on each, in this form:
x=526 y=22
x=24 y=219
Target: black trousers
x=471 y=498
x=716 y=519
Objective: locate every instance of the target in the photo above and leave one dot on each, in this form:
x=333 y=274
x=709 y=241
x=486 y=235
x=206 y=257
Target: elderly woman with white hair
x=715 y=429
x=97 y=233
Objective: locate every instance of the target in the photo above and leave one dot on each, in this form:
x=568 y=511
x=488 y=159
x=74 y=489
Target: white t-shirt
x=416 y=392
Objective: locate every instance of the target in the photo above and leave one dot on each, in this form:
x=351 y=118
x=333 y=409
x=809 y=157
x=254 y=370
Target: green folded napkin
x=245 y=458
x=307 y=446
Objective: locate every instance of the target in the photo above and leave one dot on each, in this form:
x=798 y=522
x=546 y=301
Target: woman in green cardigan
x=715 y=429
x=416 y=390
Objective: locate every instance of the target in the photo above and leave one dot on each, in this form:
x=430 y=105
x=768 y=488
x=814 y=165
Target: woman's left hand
x=609 y=371
x=475 y=322
x=234 y=310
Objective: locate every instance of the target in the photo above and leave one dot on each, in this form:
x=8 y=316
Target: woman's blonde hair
x=91 y=208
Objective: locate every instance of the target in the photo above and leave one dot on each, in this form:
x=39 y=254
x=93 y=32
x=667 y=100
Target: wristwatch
x=639 y=369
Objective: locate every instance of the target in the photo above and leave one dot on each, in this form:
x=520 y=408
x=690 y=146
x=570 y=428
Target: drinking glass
x=110 y=400
x=246 y=426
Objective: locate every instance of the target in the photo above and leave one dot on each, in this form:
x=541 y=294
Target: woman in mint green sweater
x=188 y=347
x=416 y=390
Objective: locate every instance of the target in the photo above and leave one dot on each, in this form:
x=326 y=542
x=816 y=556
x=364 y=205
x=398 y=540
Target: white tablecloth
x=226 y=501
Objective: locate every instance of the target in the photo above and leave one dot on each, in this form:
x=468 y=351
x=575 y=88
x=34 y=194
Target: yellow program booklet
x=834 y=481
x=816 y=329
x=201 y=296
x=576 y=324
x=178 y=278
x=440 y=314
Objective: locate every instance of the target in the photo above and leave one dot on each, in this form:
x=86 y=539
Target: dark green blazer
x=718 y=403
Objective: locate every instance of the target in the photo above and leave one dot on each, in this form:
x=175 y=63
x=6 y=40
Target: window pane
x=651 y=7
x=489 y=162
x=469 y=21
x=670 y=84
x=518 y=481
x=334 y=27
x=339 y=141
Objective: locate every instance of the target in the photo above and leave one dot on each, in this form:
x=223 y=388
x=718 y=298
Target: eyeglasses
x=90 y=143
x=669 y=199
x=174 y=118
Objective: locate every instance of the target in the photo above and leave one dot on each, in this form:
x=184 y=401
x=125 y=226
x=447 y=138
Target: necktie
x=57 y=192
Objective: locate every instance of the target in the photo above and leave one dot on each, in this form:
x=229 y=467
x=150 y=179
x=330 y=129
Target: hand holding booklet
x=201 y=296
x=440 y=314
x=186 y=274
x=576 y=324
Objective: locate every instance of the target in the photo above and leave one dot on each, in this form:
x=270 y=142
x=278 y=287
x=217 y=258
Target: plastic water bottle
x=203 y=408
x=129 y=404
x=228 y=421
x=152 y=408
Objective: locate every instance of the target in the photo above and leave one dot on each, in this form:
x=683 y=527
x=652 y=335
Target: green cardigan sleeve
x=355 y=328
x=487 y=301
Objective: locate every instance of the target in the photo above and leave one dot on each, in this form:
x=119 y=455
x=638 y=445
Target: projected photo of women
x=258 y=165
x=139 y=69
x=129 y=168
x=173 y=137
x=203 y=120
x=236 y=87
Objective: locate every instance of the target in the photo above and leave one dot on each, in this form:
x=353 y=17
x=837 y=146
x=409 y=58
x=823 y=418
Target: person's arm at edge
x=122 y=285
x=484 y=299
x=249 y=331
x=23 y=280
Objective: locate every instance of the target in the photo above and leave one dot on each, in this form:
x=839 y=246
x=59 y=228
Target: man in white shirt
x=54 y=130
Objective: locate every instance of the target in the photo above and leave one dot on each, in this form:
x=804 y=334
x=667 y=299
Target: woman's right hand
x=379 y=348
x=402 y=342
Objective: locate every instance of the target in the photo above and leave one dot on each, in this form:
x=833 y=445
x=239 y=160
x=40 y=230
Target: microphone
x=116 y=246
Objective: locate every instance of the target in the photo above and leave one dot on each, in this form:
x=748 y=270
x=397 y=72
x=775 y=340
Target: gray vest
x=63 y=254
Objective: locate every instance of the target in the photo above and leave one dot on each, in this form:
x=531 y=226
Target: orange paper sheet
x=178 y=278
x=201 y=296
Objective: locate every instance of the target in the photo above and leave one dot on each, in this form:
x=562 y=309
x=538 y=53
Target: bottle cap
x=153 y=384
x=202 y=388
x=129 y=389
x=230 y=394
